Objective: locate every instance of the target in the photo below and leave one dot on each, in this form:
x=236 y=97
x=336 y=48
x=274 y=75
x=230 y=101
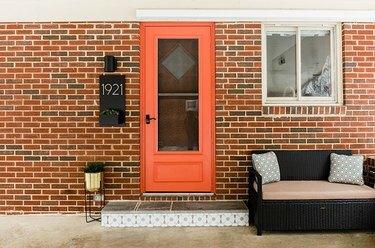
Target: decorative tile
x=185 y=219
x=115 y=220
x=175 y=219
x=171 y=219
x=229 y=214
x=227 y=219
x=143 y=220
x=214 y=219
x=200 y=219
x=158 y=220
x=128 y=220
x=242 y=219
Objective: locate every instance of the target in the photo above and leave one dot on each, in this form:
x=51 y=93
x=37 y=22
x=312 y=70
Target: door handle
x=148 y=119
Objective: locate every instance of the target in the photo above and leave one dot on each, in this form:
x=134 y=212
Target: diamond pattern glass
x=178 y=62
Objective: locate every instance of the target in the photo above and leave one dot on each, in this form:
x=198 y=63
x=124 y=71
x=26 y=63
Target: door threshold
x=177 y=194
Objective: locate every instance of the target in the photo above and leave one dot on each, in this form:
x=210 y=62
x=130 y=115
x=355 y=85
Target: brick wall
x=49 y=111
x=244 y=125
x=238 y=102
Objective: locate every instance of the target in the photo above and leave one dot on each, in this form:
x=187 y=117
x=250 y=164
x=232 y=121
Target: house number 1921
x=112 y=89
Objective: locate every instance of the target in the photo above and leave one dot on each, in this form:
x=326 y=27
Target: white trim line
x=256 y=15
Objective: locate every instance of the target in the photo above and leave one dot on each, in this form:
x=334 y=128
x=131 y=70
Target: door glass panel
x=178 y=120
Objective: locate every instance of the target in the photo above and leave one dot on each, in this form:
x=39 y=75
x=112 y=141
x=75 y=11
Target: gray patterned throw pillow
x=267 y=166
x=346 y=169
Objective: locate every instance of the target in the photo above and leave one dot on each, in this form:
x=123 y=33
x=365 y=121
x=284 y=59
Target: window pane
x=281 y=64
x=316 y=63
x=178 y=104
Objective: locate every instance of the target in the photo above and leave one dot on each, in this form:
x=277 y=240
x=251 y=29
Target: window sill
x=318 y=111
x=302 y=104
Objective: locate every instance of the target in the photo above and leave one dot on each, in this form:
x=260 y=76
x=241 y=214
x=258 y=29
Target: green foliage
x=94 y=167
x=111 y=112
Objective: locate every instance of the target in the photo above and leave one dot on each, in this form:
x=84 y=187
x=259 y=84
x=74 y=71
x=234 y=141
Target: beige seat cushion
x=294 y=190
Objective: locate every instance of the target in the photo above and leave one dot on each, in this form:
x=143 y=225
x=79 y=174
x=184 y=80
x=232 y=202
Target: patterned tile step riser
x=175 y=219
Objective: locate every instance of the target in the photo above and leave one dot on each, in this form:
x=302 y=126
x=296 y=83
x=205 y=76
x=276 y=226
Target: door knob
x=148 y=119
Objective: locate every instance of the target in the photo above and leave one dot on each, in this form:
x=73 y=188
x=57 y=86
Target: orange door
x=177 y=115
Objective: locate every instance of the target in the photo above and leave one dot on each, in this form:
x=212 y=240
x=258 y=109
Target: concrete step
x=164 y=214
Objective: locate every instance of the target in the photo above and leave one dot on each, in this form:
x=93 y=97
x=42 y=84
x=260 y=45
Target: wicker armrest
x=255 y=199
x=370 y=178
x=257 y=178
x=369 y=172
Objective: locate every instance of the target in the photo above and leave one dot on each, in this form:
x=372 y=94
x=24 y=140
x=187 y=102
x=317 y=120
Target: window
x=301 y=64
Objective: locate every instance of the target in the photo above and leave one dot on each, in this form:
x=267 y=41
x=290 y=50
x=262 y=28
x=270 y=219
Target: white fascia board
x=255 y=15
x=190 y=10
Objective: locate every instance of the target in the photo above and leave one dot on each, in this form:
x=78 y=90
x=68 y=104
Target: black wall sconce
x=110 y=63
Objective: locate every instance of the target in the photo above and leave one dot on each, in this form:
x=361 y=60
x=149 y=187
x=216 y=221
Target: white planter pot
x=93 y=181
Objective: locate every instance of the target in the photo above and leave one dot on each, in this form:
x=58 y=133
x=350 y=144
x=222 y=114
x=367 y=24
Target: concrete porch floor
x=72 y=231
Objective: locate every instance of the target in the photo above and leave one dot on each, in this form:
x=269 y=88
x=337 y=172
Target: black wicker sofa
x=288 y=211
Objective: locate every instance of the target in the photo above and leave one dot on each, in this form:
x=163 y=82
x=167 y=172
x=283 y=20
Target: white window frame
x=336 y=65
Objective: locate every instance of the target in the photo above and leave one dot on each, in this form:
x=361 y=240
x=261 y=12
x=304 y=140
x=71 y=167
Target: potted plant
x=111 y=117
x=94 y=176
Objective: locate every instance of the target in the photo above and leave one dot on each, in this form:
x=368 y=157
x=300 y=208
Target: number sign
x=112 y=92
